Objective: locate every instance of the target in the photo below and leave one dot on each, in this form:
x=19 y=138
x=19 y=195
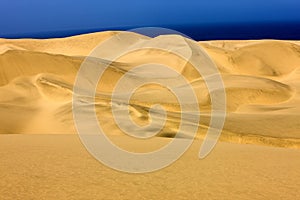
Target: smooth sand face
x=261 y=80
x=59 y=167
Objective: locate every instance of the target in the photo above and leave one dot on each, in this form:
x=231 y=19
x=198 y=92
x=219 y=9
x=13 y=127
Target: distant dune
x=262 y=82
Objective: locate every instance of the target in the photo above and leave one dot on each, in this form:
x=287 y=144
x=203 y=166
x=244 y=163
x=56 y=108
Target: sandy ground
x=43 y=158
x=59 y=167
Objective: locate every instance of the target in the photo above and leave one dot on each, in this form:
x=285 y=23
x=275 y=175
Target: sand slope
x=262 y=81
x=58 y=167
x=71 y=46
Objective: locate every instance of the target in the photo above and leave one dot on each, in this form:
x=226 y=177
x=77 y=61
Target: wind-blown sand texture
x=262 y=82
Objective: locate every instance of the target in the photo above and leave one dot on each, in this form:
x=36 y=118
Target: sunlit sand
x=257 y=156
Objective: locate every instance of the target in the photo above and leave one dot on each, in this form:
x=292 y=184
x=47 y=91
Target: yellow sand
x=58 y=167
x=262 y=82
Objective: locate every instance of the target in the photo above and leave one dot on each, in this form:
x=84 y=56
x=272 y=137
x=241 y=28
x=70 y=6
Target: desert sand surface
x=59 y=167
x=42 y=157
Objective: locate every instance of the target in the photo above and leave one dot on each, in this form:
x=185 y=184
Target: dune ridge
x=261 y=80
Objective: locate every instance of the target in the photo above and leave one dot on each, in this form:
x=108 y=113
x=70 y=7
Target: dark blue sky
x=30 y=16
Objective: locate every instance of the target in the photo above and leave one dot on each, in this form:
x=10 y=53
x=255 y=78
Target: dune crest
x=262 y=82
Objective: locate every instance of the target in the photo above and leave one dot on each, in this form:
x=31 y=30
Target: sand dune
x=72 y=46
x=261 y=80
x=39 y=161
x=257 y=58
